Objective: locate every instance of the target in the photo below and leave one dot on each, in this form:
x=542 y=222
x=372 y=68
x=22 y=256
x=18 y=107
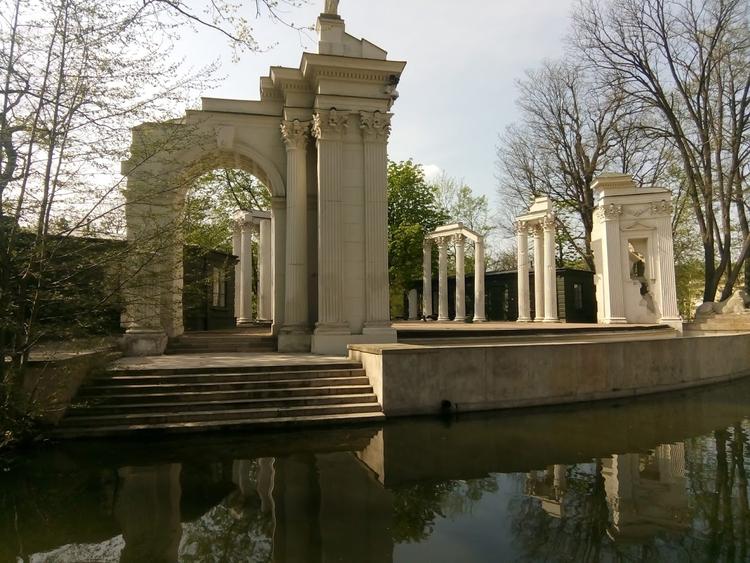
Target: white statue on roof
x=332 y=7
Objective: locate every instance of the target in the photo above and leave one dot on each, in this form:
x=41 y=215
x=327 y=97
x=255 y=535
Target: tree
x=689 y=62
x=461 y=205
x=413 y=211
x=574 y=126
x=75 y=76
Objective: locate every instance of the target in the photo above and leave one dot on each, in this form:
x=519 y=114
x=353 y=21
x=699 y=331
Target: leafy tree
x=413 y=211
x=462 y=206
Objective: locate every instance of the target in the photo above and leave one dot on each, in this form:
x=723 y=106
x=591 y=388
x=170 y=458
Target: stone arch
x=158 y=181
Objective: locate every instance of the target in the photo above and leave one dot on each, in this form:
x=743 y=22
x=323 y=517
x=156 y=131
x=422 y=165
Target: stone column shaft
x=375 y=129
x=460 y=278
x=524 y=314
x=539 y=272
x=246 y=274
x=668 y=286
x=443 y=314
x=550 y=276
x=265 y=291
x=296 y=295
x=278 y=254
x=237 y=251
x=614 y=300
x=479 y=310
x=329 y=131
x=427 y=279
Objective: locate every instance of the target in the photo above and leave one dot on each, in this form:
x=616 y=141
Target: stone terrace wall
x=417 y=379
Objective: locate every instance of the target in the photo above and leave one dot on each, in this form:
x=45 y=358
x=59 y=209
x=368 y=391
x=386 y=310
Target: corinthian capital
x=295 y=133
x=330 y=125
x=375 y=125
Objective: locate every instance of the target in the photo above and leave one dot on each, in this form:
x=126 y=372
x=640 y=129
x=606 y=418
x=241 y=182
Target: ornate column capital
x=295 y=133
x=549 y=223
x=459 y=239
x=375 y=125
x=522 y=227
x=330 y=125
x=442 y=242
x=609 y=212
x=662 y=207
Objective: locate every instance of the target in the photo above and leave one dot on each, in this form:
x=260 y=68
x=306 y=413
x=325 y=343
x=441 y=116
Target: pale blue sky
x=458 y=90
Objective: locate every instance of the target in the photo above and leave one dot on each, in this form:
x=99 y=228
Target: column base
x=460 y=319
x=294 y=340
x=245 y=322
x=550 y=320
x=443 y=319
x=141 y=343
x=675 y=323
x=613 y=321
x=479 y=319
x=524 y=320
x=331 y=344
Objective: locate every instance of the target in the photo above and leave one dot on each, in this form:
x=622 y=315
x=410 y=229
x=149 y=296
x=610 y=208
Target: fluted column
x=376 y=128
x=613 y=308
x=480 y=315
x=296 y=134
x=443 y=314
x=278 y=255
x=524 y=314
x=246 y=272
x=550 y=275
x=460 y=241
x=265 y=291
x=427 y=278
x=539 y=272
x=665 y=254
x=329 y=128
x=237 y=251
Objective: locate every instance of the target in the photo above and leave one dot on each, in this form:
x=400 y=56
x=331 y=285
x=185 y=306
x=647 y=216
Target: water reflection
x=661 y=479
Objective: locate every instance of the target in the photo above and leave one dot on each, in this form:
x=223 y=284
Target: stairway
x=134 y=401
x=223 y=341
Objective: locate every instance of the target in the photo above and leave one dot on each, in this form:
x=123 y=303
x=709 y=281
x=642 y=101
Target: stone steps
x=136 y=400
x=272 y=423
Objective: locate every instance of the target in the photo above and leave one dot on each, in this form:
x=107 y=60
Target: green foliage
x=214 y=200
x=413 y=211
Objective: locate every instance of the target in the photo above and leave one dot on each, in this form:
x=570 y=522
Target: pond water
x=655 y=479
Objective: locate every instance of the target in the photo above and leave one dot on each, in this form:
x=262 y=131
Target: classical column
x=278 y=255
x=246 y=272
x=479 y=266
x=329 y=128
x=265 y=293
x=550 y=275
x=524 y=314
x=427 y=278
x=237 y=251
x=296 y=134
x=460 y=241
x=614 y=299
x=376 y=128
x=665 y=254
x=442 y=243
x=539 y=273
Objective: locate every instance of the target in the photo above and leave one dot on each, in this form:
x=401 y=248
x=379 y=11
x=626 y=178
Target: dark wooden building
x=208 y=294
x=576 y=298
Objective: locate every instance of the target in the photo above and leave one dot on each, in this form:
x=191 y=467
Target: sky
x=458 y=91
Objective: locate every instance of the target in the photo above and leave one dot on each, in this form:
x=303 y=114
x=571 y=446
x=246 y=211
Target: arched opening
x=221 y=208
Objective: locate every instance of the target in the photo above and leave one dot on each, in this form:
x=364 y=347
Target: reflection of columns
x=550 y=277
x=265 y=290
x=329 y=130
x=539 y=272
x=524 y=314
x=376 y=127
x=460 y=241
x=246 y=272
x=427 y=279
x=443 y=314
x=295 y=135
x=479 y=312
x=237 y=251
x=147 y=509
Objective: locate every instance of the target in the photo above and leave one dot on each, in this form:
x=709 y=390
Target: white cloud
x=432 y=172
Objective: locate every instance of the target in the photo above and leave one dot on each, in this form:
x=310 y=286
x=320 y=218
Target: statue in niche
x=638 y=274
x=332 y=7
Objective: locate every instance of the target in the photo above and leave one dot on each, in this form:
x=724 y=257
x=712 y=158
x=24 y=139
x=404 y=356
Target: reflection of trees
x=576 y=537
x=235 y=530
x=415 y=508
